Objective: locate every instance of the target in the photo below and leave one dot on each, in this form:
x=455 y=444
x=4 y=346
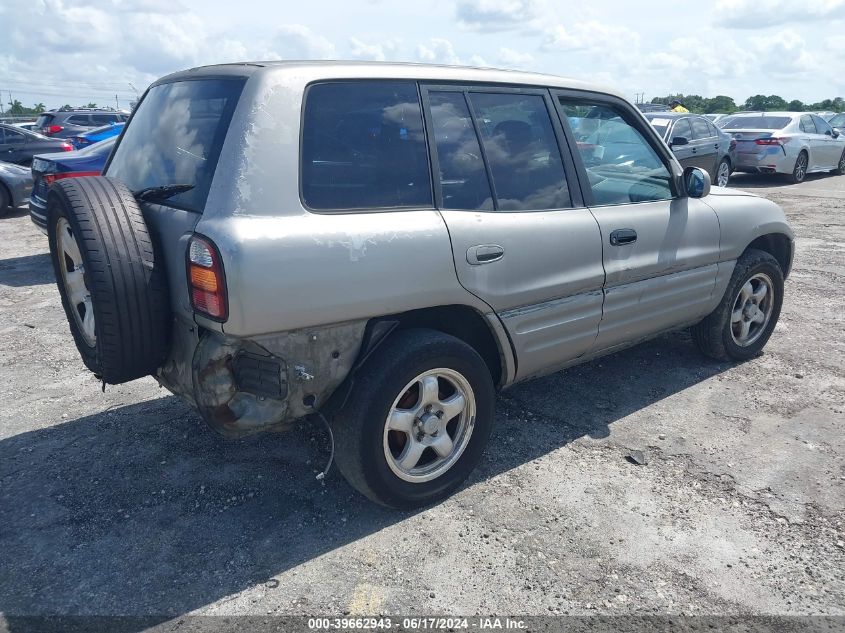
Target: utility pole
x=116 y=104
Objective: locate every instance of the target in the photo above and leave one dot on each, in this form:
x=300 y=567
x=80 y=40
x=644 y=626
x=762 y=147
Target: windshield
x=755 y=122
x=175 y=137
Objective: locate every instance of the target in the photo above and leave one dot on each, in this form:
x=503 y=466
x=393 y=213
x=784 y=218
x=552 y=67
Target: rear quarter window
x=363 y=146
x=175 y=137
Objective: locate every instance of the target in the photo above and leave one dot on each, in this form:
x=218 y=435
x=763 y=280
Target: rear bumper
x=767 y=160
x=38 y=213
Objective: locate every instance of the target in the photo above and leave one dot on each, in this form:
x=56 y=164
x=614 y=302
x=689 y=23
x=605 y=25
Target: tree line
x=726 y=105
x=16 y=108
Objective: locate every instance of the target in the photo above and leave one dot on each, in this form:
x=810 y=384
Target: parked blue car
x=48 y=168
x=96 y=135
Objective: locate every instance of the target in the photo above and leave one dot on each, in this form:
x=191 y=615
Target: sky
x=107 y=51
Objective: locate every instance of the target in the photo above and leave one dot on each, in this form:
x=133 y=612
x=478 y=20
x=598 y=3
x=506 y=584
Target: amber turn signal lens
x=203 y=279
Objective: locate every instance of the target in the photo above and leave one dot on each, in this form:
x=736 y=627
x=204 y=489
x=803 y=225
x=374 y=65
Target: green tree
x=796 y=105
x=720 y=103
x=38 y=108
x=16 y=107
x=91 y=105
x=762 y=102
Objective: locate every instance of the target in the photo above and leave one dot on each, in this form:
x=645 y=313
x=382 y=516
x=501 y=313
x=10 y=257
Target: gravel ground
x=124 y=503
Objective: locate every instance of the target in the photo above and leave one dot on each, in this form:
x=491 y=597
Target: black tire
x=5 y=201
x=726 y=162
x=840 y=170
x=713 y=336
x=359 y=427
x=127 y=287
x=798 y=174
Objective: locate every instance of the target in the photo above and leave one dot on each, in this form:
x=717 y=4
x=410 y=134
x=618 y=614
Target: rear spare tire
x=113 y=287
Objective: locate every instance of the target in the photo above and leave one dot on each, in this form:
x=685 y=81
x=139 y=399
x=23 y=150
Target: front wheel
x=840 y=168
x=417 y=420
x=742 y=323
x=723 y=173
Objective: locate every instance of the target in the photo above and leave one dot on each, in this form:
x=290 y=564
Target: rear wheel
x=5 y=202
x=723 y=173
x=742 y=323
x=799 y=172
x=417 y=420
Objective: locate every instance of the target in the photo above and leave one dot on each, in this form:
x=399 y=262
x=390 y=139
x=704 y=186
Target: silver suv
x=385 y=245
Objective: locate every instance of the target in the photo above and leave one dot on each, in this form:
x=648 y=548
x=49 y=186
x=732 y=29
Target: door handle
x=623 y=236
x=484 y=254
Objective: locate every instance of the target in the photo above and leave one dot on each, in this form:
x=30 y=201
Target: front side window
x=521 y=150
x=363 y=146
x=175 y=138
x=622 y=166
x=822 y=126
x=462 y=176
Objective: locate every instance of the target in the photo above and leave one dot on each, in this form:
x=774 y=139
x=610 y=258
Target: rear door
x=660 y=250
x=522 y=239
x=683 y=152
x=13 y=146
x=706 y=146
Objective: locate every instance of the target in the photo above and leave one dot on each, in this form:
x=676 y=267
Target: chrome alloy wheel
x=73 y=279
x=800 y=167
x=429 y=425
x=752 y=309
x=723 y=175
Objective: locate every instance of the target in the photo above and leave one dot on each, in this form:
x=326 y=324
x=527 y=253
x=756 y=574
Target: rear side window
x=522 y=151
x=363 y=146
x=175 y=138
x=700 y=129
x=462 y=176
x=104 y=119
x=79 y=119
x=807 y=124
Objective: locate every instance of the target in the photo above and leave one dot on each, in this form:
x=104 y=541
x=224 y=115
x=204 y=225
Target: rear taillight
x=51 y=129
x=49 y=179
x=206 y=282
x=774 y=140
x=67 y=147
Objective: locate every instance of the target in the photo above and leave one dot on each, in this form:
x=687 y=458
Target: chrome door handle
x=484 y=254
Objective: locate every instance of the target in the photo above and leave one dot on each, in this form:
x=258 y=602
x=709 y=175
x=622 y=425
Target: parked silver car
x=384 y=245
x=793 y=143
x=15 y=187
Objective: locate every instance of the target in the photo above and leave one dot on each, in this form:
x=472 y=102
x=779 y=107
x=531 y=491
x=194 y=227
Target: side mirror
x=696 y=182
x=828 y=132
x=836 y=132
x=679 y=140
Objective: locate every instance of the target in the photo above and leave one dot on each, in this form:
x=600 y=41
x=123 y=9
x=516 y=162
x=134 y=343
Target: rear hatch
x=167 y=155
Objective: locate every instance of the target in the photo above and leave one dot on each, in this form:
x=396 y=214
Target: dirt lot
x=123 y=502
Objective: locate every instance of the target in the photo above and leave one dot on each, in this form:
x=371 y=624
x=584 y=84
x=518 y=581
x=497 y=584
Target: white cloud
x=438 y=51
x=495 y=15
x=588 y=36
x=510 y=58
x=296 y=41
x=754 y=14
x=375 y=52
x=784 y=54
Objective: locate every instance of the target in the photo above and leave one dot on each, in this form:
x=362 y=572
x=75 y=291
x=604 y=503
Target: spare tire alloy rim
x=724 y=175
x=842 y=162
x=429 y=425
x=752 y=309
x=801 y=167
x=73 y=278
